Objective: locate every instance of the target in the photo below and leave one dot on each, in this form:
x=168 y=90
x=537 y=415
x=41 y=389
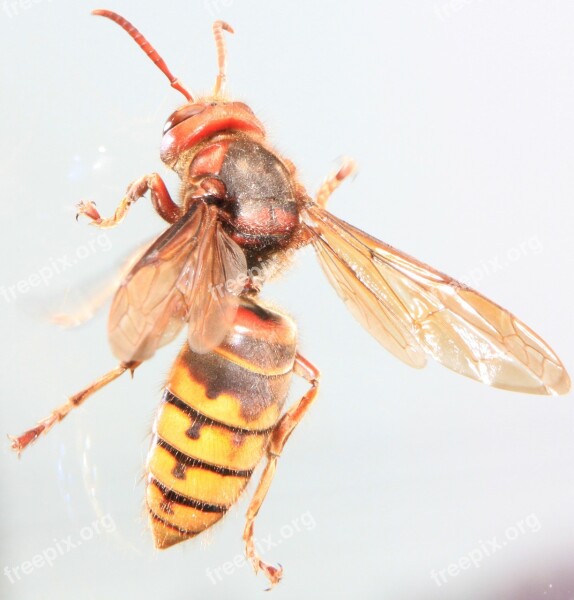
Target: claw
x=332 y=183
x=273 y=574
x=89 y=209
x=15 y=444
x=348 y=167
x=18 y=443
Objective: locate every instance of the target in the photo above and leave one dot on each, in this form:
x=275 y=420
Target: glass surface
x=399 y=483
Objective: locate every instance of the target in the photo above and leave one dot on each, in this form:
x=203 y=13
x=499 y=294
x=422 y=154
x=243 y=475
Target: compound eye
x=182 y=114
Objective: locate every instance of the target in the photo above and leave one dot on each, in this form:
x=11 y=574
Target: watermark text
x=60 y=547
x=485 y=549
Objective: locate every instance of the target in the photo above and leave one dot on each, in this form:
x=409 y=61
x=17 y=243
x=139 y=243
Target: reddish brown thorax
x=219 y=151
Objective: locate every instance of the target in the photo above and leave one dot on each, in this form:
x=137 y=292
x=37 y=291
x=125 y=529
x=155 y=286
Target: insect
x=241 y=212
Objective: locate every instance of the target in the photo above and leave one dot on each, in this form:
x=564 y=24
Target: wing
x=181 y=278
x=99 y=292
x=414 y=311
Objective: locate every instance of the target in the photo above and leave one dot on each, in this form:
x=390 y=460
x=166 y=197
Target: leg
x=280 y=435
x=22 y=441
x=333 y=182
x=160 y=199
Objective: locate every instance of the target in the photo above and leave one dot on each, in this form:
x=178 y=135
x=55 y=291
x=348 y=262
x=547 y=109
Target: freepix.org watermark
x=59 y=547
x=55 y=267
x=494 y=264
x=14 y=8
x=213 y=7
x=485 y=549
x=304 y=522
x=258 y=274
x=452 y=7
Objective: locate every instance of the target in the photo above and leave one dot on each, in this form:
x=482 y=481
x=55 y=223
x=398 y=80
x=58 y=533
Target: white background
x=461 y=118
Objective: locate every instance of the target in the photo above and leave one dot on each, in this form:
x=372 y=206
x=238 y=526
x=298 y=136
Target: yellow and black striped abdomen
x=217 y=413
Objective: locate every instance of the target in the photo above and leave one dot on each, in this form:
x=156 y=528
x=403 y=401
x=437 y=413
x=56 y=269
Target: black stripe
x=165 y=523
x=189 y=461
x=202 y=419
x=220 y=376
x=172 y=496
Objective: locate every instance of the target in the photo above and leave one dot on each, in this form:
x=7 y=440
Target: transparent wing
x=219 y=264
x=181 y=278
x=414 y=310
x=100 y=292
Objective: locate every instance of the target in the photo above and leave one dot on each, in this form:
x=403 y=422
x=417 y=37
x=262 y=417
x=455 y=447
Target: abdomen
x=212 y=428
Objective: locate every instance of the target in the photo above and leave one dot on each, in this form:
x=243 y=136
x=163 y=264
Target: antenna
x=218 y=28
x=147 y=48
